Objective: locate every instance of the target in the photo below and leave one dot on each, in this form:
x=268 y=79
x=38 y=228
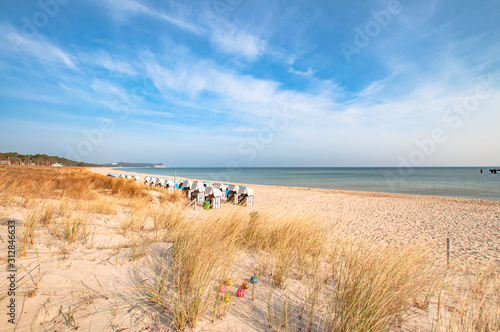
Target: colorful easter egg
x=229 y=282
x=240 y=292
x=222 y=289
x=253 y=280
x=245 y=285
x=227 y=297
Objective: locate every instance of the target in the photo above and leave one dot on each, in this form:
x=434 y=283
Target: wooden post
x=192 y=202
x=447 y=252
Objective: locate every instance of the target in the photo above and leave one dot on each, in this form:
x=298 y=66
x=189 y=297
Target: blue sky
x=252 y=83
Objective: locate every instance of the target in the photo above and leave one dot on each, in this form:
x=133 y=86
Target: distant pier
x=495 y=170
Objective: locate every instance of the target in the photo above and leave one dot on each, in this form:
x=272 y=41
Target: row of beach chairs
x=200 y=191
x=205 y=191
x=125 y=176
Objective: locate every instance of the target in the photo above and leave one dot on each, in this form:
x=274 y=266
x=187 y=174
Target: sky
x=239 y=83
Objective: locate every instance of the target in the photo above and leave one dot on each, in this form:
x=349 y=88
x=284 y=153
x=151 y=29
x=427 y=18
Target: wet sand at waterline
x=473 y=226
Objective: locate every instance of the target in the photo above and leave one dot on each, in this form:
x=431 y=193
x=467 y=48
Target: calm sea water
x=466 y=182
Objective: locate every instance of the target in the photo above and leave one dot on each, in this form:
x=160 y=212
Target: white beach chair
x=163 y=182
x=170 y=184
x=187 y=184
x=198 y=190
x=245 y=196
x=156 y=181
x=214 y=195
x=233 y=193
x=220 y=186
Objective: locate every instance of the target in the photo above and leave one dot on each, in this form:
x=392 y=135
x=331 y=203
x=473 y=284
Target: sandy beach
x=473 y=226
x=97 y=257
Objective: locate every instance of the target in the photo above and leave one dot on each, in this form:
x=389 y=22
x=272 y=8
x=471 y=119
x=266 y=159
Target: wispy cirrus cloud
x=106 y=61
x=133 y=7
x=234 y=93
x=224 y=36
x=232 y=40
x=309 y=73
x=43 y=50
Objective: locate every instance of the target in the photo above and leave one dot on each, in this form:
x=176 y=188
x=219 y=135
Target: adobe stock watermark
x=223 y=7
x=302 y=6
x=365 y=33
x=31 y=26
x=249 y=148
x=93 y=138
x=454 y=117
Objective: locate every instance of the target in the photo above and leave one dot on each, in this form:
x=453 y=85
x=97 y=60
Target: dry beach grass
x=105 y=254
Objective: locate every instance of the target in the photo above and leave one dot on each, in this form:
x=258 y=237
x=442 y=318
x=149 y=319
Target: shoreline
x=105 y=170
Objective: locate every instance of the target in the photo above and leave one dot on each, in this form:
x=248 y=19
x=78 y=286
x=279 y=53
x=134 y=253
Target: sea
x=463 y=182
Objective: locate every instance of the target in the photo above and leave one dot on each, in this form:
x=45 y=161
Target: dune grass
x=374 y=286
x=27 y=238
x=73 y=229
x=476 y=302
x=348 y=287
x=31 y=182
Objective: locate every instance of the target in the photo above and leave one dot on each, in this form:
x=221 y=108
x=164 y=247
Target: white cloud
x=308 y=74
x=226 y=37
x=373 y=127
x=13 y=40
x=290 y=60
x=234 y=93
x=135 y=8
x=232 y=40
x=105 y=61
x=115 y=98
x=181 y=23
x=107 y=89
x=374 y=88
x=156 y=113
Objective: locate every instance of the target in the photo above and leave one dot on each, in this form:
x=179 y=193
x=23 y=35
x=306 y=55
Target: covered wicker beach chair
x=198 y=191
x=245 y=196
x=214 y=195
x=233 y=193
